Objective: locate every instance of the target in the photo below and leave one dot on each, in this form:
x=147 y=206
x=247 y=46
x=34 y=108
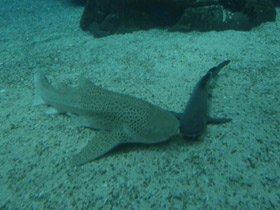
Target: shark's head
x=192 y=129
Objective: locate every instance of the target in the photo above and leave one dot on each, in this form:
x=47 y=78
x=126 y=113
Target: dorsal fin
x=85 y=83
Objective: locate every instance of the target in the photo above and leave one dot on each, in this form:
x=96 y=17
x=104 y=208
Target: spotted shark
x=119 y=118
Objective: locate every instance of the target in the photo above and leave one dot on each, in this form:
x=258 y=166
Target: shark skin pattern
x=119 y=118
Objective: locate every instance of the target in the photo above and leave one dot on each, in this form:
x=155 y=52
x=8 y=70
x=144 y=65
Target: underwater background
x=234 y=166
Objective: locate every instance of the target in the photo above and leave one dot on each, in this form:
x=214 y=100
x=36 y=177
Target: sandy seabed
x=234 y=166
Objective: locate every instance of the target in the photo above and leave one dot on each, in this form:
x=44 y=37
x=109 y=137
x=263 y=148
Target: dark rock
x=211 y=18
x=105 y=17
x=276 y=2
x=259 y=11
x=233 y=5
x=108 y=26
x=79 y=2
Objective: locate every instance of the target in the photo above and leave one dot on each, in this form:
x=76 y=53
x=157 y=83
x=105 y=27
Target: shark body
x=119 y=118
x=195 y=118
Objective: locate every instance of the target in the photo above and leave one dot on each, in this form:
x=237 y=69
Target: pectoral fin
x=103 y=142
